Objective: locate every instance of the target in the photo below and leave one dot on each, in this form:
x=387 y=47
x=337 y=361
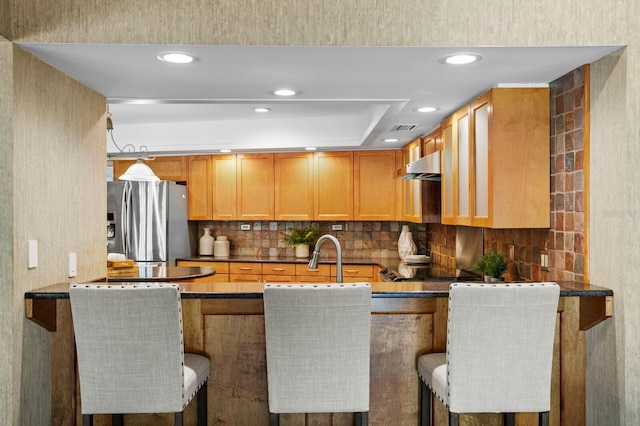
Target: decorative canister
x=406 y=246
x=206 y=243
x=302 y=251
x=221 y=246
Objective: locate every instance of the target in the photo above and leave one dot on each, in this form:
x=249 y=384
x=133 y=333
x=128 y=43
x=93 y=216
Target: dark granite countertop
x=252 y=290
x=383 y=262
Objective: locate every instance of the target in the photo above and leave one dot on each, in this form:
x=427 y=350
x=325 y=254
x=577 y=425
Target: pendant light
x=139 y=170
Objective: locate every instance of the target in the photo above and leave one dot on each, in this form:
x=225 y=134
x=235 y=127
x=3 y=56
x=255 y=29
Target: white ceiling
x=351 y=97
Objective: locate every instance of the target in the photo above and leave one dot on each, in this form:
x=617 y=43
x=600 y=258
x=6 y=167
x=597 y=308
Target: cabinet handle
x=313 y=270
x=352 y=271
x=278 y=269
x=245 y=269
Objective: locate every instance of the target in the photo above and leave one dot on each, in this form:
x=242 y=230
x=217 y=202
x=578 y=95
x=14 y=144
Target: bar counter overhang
x=224 y=321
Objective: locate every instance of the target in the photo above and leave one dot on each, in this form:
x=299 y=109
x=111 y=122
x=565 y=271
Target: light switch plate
x=73 y=264
x=32 y=254
x=245 y=227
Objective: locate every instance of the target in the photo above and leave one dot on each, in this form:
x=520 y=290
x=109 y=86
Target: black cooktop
x=426 y=272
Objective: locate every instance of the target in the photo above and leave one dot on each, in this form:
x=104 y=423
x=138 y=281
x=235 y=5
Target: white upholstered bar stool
x=131 y=354
x=318 y=348
x=499 y=352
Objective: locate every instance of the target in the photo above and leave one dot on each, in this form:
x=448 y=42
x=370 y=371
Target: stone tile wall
x=359 y=240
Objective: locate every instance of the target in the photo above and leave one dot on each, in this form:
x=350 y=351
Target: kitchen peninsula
x=224 y=321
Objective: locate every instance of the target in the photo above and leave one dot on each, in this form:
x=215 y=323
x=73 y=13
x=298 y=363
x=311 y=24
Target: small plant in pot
x=300 y=240
x=492 y=265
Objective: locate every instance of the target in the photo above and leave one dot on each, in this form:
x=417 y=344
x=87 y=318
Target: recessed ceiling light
x=262 y=109
x=310 y=148
x=285 y=92
x=391 y=140
x=426 y=109
x=225 y=150
x=460 y=58
x=177 y=57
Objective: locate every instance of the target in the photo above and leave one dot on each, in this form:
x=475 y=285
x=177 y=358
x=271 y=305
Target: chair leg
x=87 y=420
x=117 y=419
x=426 y=401
x=202 y=405
x=509 y=419
x=177 y=419
x=362 y=418
x=274 y=419
x=543 y=418
x=453 y=419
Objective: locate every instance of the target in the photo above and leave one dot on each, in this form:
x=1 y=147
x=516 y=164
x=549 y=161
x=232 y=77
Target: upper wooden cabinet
x=374 y=195
x=333 y=195
x=199 y=187
x=166 y=168
x=255 y=186
x=496 y=161
x=224 y=195
x=411 y=188
x=294 y=183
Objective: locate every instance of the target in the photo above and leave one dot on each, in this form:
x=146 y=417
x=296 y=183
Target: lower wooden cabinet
x=269 y=272
x=221 y=268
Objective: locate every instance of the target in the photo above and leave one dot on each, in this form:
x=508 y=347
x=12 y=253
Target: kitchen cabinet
x=374 y=185
x=306 y=275
x=278 y=272
x=245 y=271
x=333 y=195
x=447 y=183
x=199 y=187
x=411 y=188
x=221 y=268
x=496 y=161
x=294 y=186
x=255 y=186
x=224 y=194
x=355 y=273
x=432 y=142
x=166 y=168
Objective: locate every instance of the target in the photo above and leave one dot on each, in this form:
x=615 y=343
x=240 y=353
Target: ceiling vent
x=403 y=127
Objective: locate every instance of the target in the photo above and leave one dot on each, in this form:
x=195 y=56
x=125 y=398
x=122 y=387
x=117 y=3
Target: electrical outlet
x=336 y=227
x=544 y=261
x=245 y=227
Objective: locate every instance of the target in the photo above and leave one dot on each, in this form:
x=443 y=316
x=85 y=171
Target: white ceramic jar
x=221 y=247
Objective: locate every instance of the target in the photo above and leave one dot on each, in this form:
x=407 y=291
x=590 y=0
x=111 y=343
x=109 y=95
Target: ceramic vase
x=301 y=251
x=221 y=246
x=206 y=243
x=406 y=246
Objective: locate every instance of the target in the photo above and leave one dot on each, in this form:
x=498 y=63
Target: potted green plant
x=300 y=240
x=492 y=265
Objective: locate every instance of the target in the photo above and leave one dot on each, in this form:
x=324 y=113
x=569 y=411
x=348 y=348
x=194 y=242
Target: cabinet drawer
x=278 y=278
x=360 y=271
x=245 y=268
x=217 y=278
x=235 y=278
x=313 y=279
x=278 y=269
x=303 y=269
x=220 y=267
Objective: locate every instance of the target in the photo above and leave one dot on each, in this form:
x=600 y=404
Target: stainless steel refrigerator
x=147 y=221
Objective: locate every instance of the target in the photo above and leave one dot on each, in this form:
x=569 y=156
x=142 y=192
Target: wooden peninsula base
x=224 y=321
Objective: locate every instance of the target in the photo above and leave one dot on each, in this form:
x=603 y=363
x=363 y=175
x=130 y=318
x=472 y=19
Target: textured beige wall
x=6 y=242
x=613 y=360
x=59 y=189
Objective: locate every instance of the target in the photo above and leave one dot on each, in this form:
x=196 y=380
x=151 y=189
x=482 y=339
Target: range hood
x=425 y=168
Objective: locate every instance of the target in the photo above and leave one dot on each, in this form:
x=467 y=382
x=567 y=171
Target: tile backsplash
x=359 y=240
